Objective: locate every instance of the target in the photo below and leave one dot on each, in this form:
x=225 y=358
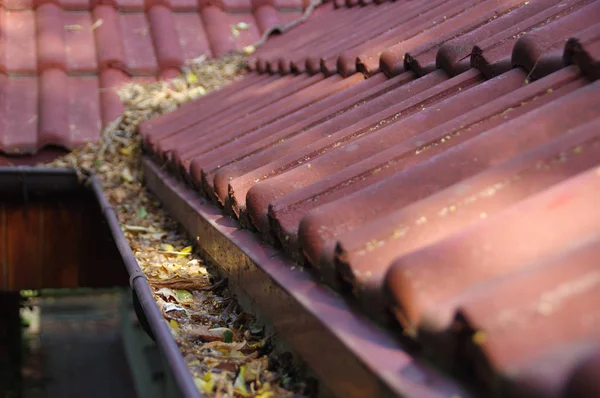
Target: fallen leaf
x=183 y=295
x=96 y=24
x=126 y=175
x=135 y=228
x=255 y=368
x=167 y=293
x=228 y=336
x=173 y=323
x=202 y=333
x=141 y=212
x=186 y=251
x=168 y=307
x=191 y=77
x=239 y=384
x=221 y=332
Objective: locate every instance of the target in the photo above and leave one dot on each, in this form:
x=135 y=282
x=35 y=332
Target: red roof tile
x=97 y=38
x=435 y=192
x=525 y=351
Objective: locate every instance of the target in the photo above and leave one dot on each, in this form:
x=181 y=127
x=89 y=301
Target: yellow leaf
x=191 y=77
x=239 y=385
x=206 y=384
x=185 y=251
x=169 y=248
x=126 y=151
x=265 y=391
x=173 y=323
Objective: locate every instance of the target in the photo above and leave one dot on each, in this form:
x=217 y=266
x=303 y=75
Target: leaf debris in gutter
x=226 y=351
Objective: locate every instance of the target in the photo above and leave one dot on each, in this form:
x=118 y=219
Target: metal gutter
x=350 y=354
x=25 y=181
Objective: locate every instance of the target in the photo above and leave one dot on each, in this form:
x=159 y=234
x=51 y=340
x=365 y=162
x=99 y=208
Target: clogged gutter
x=226 y=351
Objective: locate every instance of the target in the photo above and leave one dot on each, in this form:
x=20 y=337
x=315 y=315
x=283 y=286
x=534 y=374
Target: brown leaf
x=181 y=284
x=201 y=332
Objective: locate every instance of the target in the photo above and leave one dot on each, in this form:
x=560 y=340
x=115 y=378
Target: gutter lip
x=139 y=283
x=24 y=178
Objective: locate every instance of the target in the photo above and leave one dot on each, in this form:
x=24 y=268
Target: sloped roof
x=433 y=159
x=61 y=60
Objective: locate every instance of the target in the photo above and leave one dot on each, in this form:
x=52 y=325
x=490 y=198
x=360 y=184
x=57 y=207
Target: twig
x=282 y=28
x=536 y=63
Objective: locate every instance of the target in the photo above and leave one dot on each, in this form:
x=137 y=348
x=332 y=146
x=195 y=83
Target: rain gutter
x=353 y=356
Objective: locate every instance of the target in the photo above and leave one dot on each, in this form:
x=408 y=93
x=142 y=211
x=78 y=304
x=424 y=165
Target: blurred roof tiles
x=59 y=60
x=438 y=161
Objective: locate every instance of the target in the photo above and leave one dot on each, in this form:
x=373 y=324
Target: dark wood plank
x=24 y=236
x=3 y=264
x=61 y=244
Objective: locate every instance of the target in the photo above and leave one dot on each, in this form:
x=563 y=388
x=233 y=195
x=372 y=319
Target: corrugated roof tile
x=371 y=248
x=16 y=4
x=84 y=110
x=438 y=172
x=280 y=89
x=368 y=136
x=80 y=47
x=140 y=58
x=183 y=154
x=216 y=24
x=266 y=16
x=110 y=47
x=50 y=34
x=110 y=105
x=541 y=51
x=18 y=114
x=584 y=51
x=383 y=153
x=18 y=41
x=483 y=20
x=74 y=5
x=164 y=35
x=493 y=55
x=140 y=38
x=53 y=107
x=512 y=340
x=192 y=37
x=454 y=55
x=457 y=265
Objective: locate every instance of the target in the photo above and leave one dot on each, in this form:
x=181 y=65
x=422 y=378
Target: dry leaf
x=73 y=28
x=96 y=24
